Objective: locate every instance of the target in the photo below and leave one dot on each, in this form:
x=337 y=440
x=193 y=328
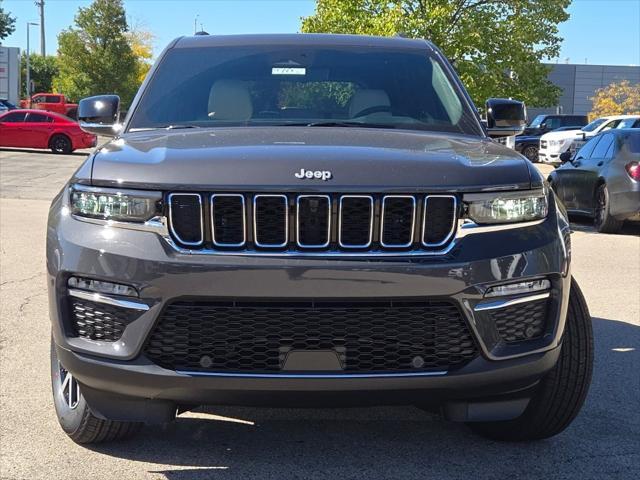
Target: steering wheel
x=370 y=110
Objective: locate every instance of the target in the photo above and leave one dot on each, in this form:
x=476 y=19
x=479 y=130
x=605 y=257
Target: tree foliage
x=95 y=56
x=7 y=23
x=42 y=71
x=497 y=46
x=622 y=98
x=141 y=43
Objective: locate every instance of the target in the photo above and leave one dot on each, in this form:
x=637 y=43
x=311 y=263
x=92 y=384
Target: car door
x=37 y=127
x=568 y=174
x=11 y=129
x=588 y=172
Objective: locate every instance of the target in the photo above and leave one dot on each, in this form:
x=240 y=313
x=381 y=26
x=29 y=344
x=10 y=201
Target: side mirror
x=565 y=156
x=543 y=126
x=100 y=115
x=505 y=117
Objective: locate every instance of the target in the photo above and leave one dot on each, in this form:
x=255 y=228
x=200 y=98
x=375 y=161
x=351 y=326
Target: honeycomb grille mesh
x=98 y=321
x=438 y=219
x=228 y=220
x=398 y=214
x=186 y=218
x=271 y=220
x=256 y=337
x=314 y=216
x=521 y=322
x=356 y=221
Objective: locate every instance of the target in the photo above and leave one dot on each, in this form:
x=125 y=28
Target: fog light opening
x=98 y=286
x=518 y=288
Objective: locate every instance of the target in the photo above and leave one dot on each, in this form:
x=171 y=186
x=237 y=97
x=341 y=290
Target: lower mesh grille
x=255 y=337
x=98 y=321
x=521 y=322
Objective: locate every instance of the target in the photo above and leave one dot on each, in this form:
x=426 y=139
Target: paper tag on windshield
x=288 y=71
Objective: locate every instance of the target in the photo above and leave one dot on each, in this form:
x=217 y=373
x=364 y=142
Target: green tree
x=95 y=55
x=43 y=70
x=497 y=46
x=7 y=23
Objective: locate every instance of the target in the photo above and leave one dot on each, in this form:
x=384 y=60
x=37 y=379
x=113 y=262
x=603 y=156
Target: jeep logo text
x=319 y=174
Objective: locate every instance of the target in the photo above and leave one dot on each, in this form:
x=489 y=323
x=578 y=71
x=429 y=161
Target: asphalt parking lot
x=371 y=443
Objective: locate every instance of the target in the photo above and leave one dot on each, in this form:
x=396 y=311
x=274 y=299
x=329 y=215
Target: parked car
x=553 y=144
x=602 y=180
x=51 y=102
x=311 y=220
x=528 y=142
x=6 y=105
x=38 y=129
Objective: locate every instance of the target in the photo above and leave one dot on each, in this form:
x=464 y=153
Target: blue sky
x=599 y=31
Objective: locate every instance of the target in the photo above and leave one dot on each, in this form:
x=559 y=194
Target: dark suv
x=528 y=142
x=311 y=220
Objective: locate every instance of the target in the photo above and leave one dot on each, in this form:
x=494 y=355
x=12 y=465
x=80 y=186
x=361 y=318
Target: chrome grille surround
x=255 y=221
x=171 y=219
x=424 y=221
x=371 y=217
x=298 y=234
x=244 y=219
x=413 y=221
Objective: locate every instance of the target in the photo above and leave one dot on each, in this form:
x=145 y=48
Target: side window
x=587 y=148
x=600 y=151
x=612 y=149
x=14 y=117
x=53 y=99
x=610 y=125
x=553 y=123
x=38 y=118
x=38 y=99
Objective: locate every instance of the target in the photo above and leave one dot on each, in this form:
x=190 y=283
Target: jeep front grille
x=312 y=222
x=365 y=336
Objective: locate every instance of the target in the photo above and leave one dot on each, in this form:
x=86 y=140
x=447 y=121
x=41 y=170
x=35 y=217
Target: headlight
x=507 y=207
x=115 y=204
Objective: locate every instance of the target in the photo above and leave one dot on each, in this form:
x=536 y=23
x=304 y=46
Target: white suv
x=553 y=144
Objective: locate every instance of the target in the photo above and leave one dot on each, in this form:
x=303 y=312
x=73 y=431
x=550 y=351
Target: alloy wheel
x=69 y=387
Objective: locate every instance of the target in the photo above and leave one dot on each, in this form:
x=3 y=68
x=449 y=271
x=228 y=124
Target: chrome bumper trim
x=495 y=304
x=311 y=375
x=100 y=298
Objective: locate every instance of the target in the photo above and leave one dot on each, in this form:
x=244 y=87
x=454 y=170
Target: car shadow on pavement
x=402 y=442
x=585 y=224
x=77 y=153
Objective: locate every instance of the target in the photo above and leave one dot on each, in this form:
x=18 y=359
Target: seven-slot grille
x=307 y=222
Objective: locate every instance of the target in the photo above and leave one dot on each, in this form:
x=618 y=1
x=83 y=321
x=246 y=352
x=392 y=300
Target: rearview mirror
x=100 y=115
x=505 y=117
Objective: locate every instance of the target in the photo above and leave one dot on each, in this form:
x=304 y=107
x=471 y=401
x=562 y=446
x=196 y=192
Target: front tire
x=561 y=393
x=602 y=219
x=531 y=152
x=74 y=415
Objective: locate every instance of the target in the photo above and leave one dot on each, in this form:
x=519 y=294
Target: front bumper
x=118 y=378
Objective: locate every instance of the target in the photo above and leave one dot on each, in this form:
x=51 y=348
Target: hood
x=266 y=158
x=563 y=135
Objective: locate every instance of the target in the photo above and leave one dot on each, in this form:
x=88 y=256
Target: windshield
x=593 y=125
x=535 y=123
x=275 y=85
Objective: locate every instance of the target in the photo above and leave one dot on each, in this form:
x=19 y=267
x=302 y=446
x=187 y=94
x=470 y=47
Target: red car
x=39 y=129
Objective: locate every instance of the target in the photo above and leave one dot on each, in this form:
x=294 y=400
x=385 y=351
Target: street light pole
x=40 y=5
x=28 y=66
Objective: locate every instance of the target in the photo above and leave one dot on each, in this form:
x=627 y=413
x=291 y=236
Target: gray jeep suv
x=311 y=220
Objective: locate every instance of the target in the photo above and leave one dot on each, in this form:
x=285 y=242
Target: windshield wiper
x=338 y=123
x=176 y=127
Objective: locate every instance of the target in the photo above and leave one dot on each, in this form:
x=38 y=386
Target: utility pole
x=43 y=50
x=28 y=67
